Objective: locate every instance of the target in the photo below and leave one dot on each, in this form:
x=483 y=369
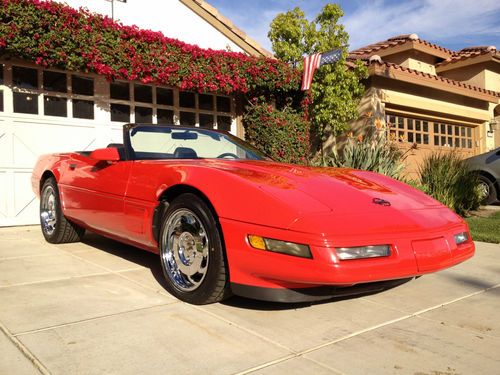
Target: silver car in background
x=488 y=166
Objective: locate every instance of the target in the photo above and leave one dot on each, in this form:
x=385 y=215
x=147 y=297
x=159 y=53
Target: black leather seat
x=185 y=153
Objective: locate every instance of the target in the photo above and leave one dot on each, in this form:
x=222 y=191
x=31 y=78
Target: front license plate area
x=430 y=254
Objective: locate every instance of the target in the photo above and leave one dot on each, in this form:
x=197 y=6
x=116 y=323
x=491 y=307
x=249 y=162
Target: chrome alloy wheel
x=484 y=189
x=48 y=213
x=185 y=247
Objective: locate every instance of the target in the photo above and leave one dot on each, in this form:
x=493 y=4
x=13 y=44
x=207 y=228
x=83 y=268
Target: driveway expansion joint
x=24 y=350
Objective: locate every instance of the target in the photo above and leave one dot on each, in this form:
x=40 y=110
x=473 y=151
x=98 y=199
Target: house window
x=25 y=103
x=164 y=96
x=205 y=110
x=206 y=121
x=119 y=90
x=187 y=99
x=82 y=85
x=187 y=118
x=165 y=116
x=55 y=81
x=82 y=89
x=83 y=109
x=143 y=93
x=1 y=91
x=25 y=86
x=144 y=115
x=224 y=123
x=24 y=78
x=55 y=106
x=424 y=132
x=206 y=102
x=223 y=104
x=120 y=112
x=63 y=94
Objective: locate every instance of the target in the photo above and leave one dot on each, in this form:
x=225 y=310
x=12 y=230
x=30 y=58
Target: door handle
x=72 y=167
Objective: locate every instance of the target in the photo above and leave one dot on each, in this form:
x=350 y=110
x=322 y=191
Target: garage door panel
x=24 y=197
x=22 y=141
x=31 y=140
x=4 y=184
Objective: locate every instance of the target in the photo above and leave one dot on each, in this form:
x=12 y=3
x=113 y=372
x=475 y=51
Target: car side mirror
x=105 y=154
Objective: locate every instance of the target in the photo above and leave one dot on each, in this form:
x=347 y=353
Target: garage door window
x=25 y=87
x=1 y=91
x=423 y=132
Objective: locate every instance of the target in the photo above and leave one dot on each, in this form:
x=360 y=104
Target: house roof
x=485 y=53
x=395 y=71
x=226 y=27
x=401 y=43
x=372 y=55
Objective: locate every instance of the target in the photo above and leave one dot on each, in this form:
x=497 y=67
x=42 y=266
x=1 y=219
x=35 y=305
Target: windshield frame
x=161 y=128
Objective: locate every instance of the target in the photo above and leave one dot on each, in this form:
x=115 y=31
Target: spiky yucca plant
x=448 y=179
x=371 y=152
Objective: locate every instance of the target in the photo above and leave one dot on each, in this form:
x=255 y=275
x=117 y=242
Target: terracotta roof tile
x=435 y=77
x=395 y=41
x=470 y=52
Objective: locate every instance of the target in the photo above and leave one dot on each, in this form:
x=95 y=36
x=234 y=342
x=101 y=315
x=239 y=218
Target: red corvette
x=226 y=220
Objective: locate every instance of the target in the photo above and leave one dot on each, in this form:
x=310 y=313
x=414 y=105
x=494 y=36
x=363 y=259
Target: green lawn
x=486 y=229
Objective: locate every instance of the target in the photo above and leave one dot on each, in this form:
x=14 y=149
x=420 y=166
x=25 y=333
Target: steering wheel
x=227 y=154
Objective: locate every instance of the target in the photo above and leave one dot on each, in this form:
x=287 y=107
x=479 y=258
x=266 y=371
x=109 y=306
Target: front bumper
x=413 y=254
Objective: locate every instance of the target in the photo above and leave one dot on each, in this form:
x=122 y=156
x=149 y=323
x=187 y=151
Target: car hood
x=339 y=190
x=342 y=203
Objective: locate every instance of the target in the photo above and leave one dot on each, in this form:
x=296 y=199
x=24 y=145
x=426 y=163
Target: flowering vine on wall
x=55 y=35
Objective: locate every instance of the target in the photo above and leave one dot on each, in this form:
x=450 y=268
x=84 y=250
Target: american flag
x=312 y=62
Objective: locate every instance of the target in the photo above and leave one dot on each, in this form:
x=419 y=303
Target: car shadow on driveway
x=151 y=261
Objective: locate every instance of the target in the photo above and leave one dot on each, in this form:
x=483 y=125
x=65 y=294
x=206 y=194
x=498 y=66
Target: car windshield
x=175 y=142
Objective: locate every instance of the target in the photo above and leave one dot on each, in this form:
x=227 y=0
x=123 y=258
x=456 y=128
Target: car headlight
x=461 y=237
x=277 y=246
x=360 y=252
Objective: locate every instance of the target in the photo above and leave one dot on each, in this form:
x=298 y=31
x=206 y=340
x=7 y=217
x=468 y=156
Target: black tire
x=55 y=227
x=488 y=188
x=191 y=252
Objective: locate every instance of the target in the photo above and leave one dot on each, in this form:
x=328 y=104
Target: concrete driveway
x=98 y=307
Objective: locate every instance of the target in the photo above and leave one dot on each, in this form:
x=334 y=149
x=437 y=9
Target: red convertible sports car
x=227 y=220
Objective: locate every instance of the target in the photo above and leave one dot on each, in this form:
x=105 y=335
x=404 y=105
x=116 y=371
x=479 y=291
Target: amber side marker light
x=278 y=246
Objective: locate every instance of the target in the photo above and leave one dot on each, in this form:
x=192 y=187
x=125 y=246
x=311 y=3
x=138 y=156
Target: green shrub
x=371 y=152
x=281 y=134
x=446 y=177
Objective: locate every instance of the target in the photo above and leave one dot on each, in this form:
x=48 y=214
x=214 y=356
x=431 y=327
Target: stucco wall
x=170 y=17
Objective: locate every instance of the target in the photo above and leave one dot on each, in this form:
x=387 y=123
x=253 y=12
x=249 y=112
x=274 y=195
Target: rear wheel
x=55 y=227
x=488 y=192
x=191 y=252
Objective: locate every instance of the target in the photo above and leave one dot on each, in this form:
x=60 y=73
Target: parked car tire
x=55 y=227
x=488 y=190
x=192 y=253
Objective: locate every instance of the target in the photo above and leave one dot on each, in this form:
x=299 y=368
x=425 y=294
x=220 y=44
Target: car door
x=93 y=192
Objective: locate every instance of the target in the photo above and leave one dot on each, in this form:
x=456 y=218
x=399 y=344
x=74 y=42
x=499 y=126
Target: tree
x=336 y=88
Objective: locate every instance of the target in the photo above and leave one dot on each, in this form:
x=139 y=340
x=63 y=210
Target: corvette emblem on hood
x=381 y=202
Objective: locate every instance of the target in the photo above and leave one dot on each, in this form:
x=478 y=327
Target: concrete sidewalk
x=99 y=307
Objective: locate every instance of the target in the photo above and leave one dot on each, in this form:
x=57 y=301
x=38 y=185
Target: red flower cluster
x=282 y=134
x=55 y=35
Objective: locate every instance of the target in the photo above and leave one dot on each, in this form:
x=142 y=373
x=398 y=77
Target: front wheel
x=55 y=227
x=487 y=189
x=191 y=252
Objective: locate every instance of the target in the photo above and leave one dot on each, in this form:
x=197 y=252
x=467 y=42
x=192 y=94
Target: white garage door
x=46 y=111
x=21 y=142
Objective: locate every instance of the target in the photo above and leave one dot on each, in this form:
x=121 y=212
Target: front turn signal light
x=278 y=246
